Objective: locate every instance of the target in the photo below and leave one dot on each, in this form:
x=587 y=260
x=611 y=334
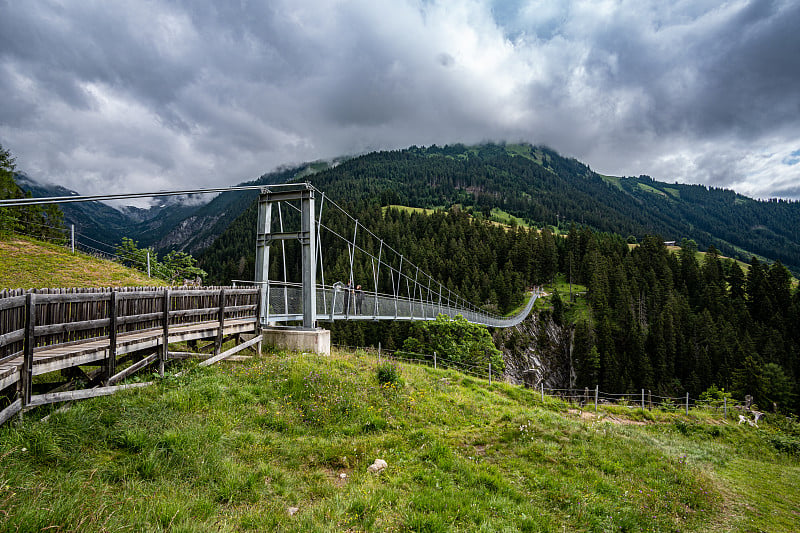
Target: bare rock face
x=184 y=235
x=537 y=352
x=378 y=466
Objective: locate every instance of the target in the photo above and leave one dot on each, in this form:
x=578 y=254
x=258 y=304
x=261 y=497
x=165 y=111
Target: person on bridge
x=359 y=299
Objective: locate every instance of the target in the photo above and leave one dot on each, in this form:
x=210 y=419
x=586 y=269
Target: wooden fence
x=48 y=317
x=34 y=320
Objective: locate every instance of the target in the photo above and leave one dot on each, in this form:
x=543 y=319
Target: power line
x=16 y=202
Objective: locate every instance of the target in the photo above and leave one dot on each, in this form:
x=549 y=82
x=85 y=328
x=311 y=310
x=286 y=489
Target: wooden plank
x=12 y=336
x=10 y=303
x=66 y=396
x=26 y=371
x=230 y=352
x=73 y=297
x=203 y=356
x=237 y=308
x=133 y=319
x=129 y=295
x=132 y=369
x=51 y=364
x=195 y=312
x=185 y=355
x=218 y=346
x=139 y=345
x=65 y=345
x=165 y=339
x=68 y=327
x=111 y=363
x=11 y=410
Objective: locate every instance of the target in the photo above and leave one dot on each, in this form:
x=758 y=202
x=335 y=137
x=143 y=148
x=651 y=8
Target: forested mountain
x=536 y=184
x=533 y=183
x=98 y=221
x=545 y=189
x=656 y=320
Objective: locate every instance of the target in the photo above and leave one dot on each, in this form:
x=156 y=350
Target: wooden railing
x=48 y=317
x=45 y=320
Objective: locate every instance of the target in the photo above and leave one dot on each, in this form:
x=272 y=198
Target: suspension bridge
x=117 y=332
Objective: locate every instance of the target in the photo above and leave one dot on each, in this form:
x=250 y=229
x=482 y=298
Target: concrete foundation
x=299 y=340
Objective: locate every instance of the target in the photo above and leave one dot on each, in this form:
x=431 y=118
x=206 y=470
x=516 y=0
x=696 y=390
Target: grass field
x=283 y=442
x=574 y=310
x=28 y=263
x=409 y=209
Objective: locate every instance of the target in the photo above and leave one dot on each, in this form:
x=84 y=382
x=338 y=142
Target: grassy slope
x=28 y=263
x=232 y=448
x=499 y=217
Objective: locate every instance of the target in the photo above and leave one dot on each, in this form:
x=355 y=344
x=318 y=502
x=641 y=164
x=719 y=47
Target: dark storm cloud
x=142 y=95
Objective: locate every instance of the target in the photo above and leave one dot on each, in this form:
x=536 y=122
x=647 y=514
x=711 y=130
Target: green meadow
x=282 y=442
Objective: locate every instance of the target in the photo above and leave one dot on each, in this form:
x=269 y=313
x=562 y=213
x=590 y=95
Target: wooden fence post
x=163 y=354
x=596 y=394
x=490 y=374
x=111 y=364
x=218 y=342
x=687 y=404
x=26 y=377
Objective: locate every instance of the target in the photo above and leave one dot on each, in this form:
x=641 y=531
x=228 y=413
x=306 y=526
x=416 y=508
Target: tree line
x=672 y=323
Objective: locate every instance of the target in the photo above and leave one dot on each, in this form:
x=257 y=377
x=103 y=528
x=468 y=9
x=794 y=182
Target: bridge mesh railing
x=285 y=304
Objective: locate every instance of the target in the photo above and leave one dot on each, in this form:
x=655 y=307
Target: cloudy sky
x=108 y=96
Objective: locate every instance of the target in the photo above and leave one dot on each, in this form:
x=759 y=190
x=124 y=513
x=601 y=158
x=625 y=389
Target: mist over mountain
x=186 y=223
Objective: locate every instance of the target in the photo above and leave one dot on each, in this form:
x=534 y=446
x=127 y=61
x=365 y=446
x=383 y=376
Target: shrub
x=388 y=373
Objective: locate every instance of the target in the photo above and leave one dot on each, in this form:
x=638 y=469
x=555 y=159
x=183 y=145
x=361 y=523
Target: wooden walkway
x=62 y=331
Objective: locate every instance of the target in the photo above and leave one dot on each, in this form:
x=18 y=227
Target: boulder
x=377 y=466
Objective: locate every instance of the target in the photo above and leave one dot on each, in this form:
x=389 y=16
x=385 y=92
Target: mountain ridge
x=534 y=183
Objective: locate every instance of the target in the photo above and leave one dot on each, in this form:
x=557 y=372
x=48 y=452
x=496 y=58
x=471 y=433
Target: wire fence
x=585 y=399
x=432 y=360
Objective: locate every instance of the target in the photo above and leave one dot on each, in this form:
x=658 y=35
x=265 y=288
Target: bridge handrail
x=339 y=288
x=286 y=307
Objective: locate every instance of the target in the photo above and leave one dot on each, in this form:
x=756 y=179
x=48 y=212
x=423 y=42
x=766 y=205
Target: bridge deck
x=58 y=357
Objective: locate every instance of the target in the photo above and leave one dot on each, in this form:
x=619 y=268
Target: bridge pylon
x=265 y=236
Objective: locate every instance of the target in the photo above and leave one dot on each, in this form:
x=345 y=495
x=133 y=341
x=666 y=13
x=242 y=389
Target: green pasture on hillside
x=29 y=263
x=283 y=443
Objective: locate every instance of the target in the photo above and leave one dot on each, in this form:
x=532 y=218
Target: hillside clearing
x=283 y=442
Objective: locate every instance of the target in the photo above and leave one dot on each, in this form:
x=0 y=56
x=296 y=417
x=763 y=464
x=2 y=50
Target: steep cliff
x=537 y=352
